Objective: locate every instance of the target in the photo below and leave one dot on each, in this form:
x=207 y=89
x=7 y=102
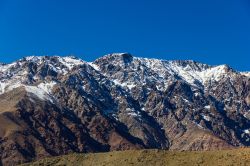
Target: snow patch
x=130 y=86
x=207 y=118
x=199 y=126
x=132 y=112
x=185 y=100
x=36 y=91
x=42 y=91
x=94 y=66
x=125 y=84
x=207 y=107
x=47 y=87
x=5 y=68
x=246 y=131
x=2 y=87
x=13 y=86
x=70 y=62
x=247 y=74
x=8 y=86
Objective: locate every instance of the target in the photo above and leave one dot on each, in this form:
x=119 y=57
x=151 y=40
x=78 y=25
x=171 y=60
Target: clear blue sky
x=209 y=31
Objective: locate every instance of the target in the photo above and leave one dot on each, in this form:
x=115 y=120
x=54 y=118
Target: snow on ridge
x=36 y=91
x=70 y=61
x=14 y=73
x=191 y=73
x=2 y=87
x=195 y=73
x=6 y=67
x=47 y=87
x=6 y=86
x=96 y=67
x=247 y=74
x=214 y=73
x=33 y=58
x=28 y=58
x=42 y=90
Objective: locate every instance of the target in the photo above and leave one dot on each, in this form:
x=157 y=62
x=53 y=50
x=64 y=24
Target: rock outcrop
x=52 y=106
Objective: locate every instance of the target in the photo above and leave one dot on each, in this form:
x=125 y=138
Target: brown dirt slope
x=152 y=157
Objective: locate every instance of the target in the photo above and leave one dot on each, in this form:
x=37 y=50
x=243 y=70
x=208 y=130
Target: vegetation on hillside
x=152 y=157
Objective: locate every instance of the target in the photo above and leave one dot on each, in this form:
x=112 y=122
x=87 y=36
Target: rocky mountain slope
x=51 y=106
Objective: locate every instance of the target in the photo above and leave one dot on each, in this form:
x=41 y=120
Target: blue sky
x=209 y=31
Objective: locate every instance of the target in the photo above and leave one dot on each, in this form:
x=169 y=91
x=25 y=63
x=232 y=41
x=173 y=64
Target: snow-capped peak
x=32 y=58
x=203 y=75
x=18 y=73
x=143 y=69
x=70 y=61
x=190 y=71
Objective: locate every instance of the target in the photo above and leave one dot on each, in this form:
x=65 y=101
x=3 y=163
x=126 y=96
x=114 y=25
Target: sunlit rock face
x=57 y=105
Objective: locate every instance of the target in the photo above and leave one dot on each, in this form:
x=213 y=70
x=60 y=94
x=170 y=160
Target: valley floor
x=237 y=157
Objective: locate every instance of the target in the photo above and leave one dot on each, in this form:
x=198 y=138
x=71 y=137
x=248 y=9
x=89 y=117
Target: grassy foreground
x=152 y=157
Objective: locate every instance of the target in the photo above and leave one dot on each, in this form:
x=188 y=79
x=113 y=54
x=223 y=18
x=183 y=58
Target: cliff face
x=52 y=106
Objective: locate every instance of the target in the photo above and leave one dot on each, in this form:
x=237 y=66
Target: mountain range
x=52 y=105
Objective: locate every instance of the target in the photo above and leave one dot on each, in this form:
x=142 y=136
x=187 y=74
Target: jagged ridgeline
x=57 y=105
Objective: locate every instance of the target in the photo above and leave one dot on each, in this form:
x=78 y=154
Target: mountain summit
x=57 y=105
